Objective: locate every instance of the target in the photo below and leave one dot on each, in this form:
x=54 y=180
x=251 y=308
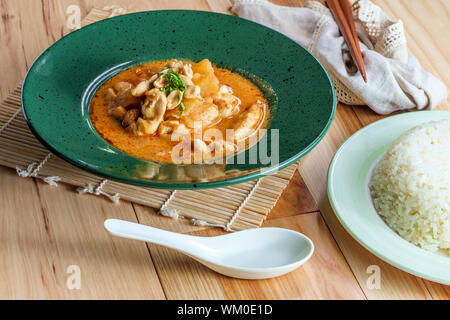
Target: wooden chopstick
x=345 y=5
x=343 y=15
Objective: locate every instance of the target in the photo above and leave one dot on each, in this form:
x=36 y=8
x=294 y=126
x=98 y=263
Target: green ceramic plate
x=347 y=189
x=59 y=86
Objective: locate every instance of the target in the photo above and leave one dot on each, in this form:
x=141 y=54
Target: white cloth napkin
x=396 y=80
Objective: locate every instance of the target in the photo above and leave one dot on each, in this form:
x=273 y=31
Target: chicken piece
x=247 y=122
x=167 y=127
x=173 y=99
x=173 y=130
x=110 y=94
x=130 y=117
x=227 y=109
x=155 y=105
x=204 y=113
x=187 y=70
x=228 y=103
x=153 y=111
x=132 y=128
x=118 y=112
x=125 y=99
x=154 y=77
x=186 y=80
x=141 y=88
x=173 y=114
x=146 y=127
x=224 y=90
x=122 y=86
x=160 y=82
x=175 y=65
x=192 y=92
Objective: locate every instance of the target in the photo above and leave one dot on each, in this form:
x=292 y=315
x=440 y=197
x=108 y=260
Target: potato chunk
x=205 y=78
x=204 y=67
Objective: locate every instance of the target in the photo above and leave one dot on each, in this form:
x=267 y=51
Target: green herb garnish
x=182 y=108
x=174 y=82
x=181 y=105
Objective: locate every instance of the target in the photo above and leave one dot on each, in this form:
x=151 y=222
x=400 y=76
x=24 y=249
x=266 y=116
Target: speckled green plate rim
x=341 y=216
x=172 y=185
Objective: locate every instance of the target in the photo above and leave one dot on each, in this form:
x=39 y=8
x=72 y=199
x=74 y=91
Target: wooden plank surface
x=44 y=230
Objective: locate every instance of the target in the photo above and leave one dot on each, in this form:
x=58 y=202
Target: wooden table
x=44 y=230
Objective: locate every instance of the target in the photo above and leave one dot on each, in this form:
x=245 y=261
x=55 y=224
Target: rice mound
x=410 y=186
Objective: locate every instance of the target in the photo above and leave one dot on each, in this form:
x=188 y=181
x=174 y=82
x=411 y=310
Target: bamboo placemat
x=236 y=207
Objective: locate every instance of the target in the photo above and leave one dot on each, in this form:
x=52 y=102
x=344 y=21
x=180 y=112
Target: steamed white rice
x=410 y=186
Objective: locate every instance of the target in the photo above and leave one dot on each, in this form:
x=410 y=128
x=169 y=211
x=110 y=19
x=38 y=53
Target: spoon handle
x=126 y=229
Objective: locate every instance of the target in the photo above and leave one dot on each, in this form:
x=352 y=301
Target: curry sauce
x=217 y=98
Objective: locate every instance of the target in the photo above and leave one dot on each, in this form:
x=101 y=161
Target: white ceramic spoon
x=250 y=254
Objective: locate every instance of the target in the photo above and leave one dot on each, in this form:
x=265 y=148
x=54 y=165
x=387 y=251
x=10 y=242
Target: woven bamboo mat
x=236 y=207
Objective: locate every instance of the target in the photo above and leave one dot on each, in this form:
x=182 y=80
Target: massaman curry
x=148 y=110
